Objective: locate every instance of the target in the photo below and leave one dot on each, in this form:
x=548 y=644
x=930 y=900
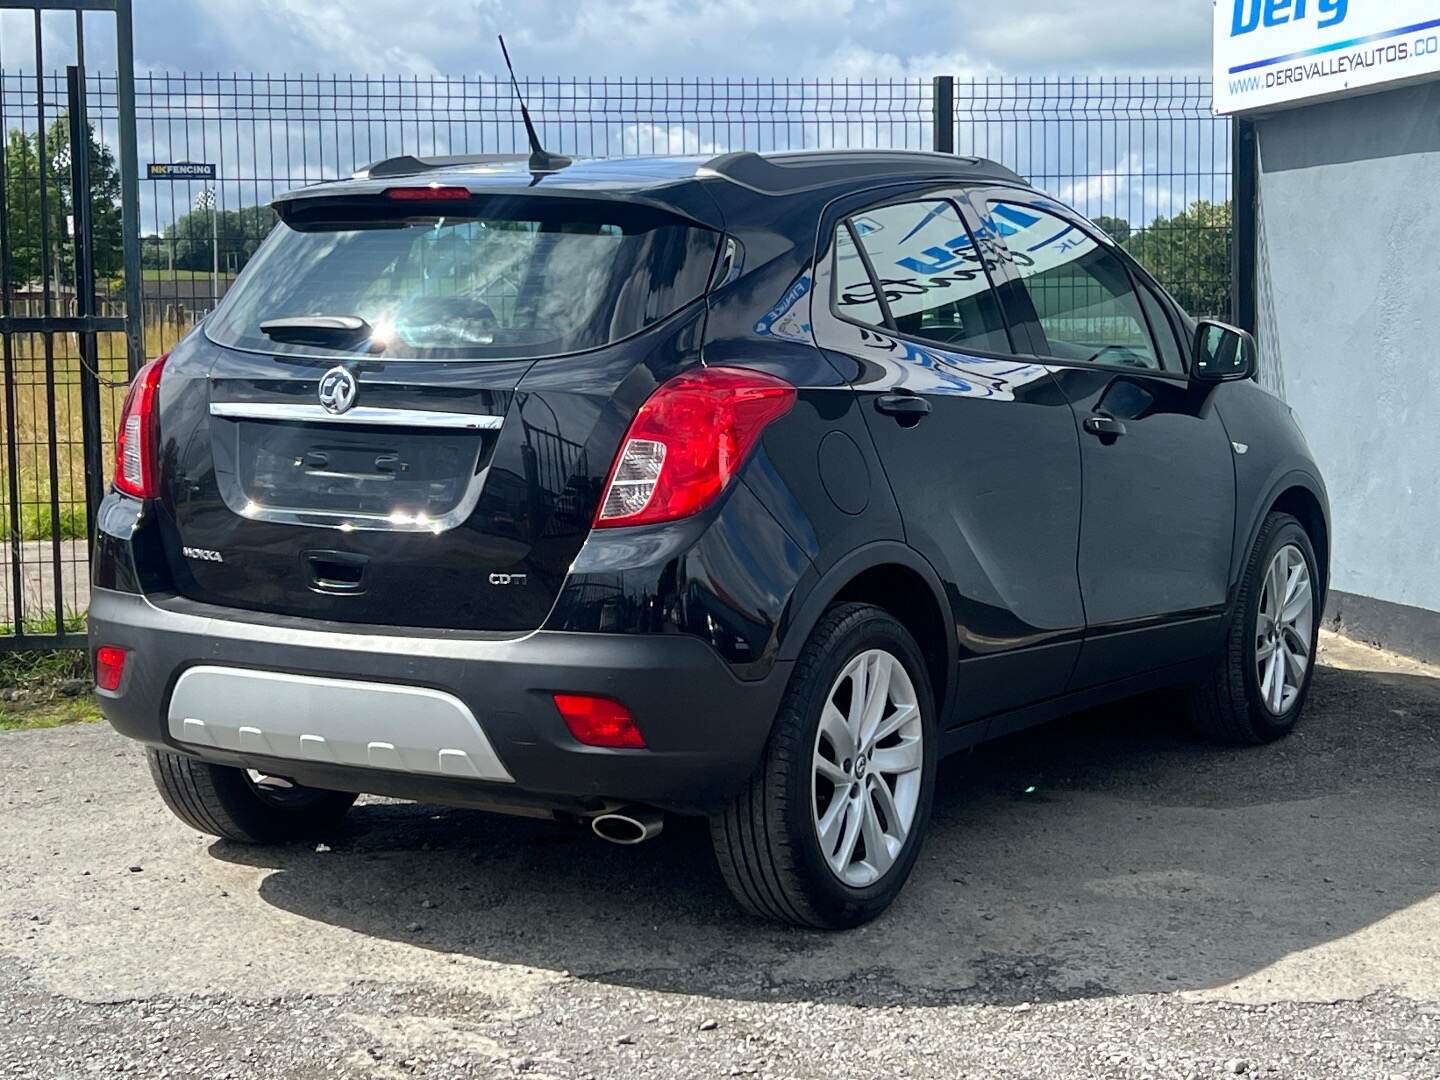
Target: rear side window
x=930 y=275
x=499 y=276
x=1081 y=291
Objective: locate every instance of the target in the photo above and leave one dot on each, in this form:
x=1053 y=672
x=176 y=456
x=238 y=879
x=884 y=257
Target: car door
x=1158 y=514
x=978 y=442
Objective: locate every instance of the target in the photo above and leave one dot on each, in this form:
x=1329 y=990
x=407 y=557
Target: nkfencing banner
x=1279 y=52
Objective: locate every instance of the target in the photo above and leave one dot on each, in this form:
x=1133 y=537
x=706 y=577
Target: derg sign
x=1250 y=15
x=1270 y=53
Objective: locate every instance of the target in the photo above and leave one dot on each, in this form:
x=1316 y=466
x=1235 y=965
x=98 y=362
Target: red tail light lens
x=599 y=721
x=137 y=450
x=686 y=443
x=109 y=666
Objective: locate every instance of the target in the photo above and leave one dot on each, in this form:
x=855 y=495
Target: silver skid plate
x=338 y=721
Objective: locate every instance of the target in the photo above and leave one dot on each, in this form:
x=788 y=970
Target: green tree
x=25 y=156
x=107 y=230
x=187 y=243
x=1190 y=255
x=22 y=207
x=1118 y=229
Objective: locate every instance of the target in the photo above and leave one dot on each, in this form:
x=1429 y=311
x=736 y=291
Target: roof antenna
x=541 y=160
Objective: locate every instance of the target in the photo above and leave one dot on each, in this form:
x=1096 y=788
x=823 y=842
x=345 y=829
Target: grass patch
x=37 y=523
x=40 y=670
x=44 y=677
x=164 y=273
x=27 y=391
x=33 y=715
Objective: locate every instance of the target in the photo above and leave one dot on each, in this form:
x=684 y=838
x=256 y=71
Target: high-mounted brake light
x=137 y=444
x=687 y=442
x=434 y=193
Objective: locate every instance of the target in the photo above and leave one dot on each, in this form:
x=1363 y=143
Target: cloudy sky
x=810 y=38
x=1136 y=170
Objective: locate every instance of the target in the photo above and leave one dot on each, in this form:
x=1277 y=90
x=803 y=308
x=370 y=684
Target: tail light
x=137 y=450
x=686 y=443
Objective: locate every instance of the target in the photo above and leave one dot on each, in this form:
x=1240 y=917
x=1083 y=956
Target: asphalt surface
x=1103 y=897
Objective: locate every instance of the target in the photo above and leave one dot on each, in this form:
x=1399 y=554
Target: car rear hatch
x=350 y=436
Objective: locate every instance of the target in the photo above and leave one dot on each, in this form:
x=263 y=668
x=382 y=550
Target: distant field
x=33 y=427
x=162 y=274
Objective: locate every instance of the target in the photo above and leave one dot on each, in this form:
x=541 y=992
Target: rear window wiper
x=333 y=331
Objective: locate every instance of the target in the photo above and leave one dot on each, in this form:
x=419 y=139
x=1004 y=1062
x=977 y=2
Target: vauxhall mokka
x=745 y=487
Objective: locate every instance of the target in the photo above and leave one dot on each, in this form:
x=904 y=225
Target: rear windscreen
x=498 y=276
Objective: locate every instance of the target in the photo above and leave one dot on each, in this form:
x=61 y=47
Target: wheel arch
x=1303 y=504
x=1299 y=494
x=899 y=580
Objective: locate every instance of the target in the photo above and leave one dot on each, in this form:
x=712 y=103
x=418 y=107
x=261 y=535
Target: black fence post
x=82 y=212
x=1245 y=237
x=129 y=187
x=943 y=105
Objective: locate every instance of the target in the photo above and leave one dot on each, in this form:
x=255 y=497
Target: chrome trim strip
x=361 y=414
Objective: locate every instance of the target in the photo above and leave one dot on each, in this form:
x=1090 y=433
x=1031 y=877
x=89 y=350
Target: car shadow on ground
x=1107 y=853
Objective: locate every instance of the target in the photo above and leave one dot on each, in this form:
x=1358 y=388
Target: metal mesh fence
x=1143 y=157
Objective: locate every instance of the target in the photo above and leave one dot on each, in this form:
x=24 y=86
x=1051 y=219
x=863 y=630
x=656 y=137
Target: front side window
x=932 y=278
x=1081 y=291
x=1163 y=328
x=492 y=276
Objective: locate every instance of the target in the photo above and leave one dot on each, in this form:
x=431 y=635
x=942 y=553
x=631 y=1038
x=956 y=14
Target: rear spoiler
x=686 y=200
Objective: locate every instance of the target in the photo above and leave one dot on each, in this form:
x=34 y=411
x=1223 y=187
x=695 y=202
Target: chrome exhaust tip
x=629 y=825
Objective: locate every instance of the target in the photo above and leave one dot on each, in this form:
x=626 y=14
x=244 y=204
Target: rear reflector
x=599 y=721
x=109 y=666
x=434 y=193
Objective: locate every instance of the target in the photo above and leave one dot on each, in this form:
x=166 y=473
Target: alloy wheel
x=866 y=776
x=1284 y=629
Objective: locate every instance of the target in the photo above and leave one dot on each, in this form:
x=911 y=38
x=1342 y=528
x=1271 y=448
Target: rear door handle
x=1105 y=428
x=908 y=409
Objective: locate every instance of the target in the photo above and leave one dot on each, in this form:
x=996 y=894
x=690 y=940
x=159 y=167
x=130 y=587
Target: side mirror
x=1223 y=353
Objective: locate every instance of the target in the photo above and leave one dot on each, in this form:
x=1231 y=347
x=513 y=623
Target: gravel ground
x=1100 y=898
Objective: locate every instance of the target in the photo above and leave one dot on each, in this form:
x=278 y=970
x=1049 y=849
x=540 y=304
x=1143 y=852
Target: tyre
x=829 y=827
x=1260 y=684
x=238 y=804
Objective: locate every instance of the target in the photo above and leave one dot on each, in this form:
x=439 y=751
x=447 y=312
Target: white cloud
x=738 y=38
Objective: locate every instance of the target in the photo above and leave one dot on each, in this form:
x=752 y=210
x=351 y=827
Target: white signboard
x=1270 y=53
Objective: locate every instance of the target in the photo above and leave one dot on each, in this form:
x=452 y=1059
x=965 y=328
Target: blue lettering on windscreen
x=1252 y=14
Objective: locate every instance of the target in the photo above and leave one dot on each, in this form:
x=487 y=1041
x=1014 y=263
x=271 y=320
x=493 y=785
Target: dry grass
x=35 y=428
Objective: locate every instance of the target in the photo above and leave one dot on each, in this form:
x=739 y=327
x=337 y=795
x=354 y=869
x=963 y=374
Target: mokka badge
x=338 y=390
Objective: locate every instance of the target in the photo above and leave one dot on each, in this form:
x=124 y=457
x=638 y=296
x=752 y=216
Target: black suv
x=745 y=487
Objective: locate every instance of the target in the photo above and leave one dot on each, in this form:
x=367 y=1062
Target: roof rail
x=787 y=172
x=409 y=165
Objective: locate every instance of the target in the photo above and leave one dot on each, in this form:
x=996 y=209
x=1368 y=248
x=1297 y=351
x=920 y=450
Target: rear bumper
x=705 y=728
